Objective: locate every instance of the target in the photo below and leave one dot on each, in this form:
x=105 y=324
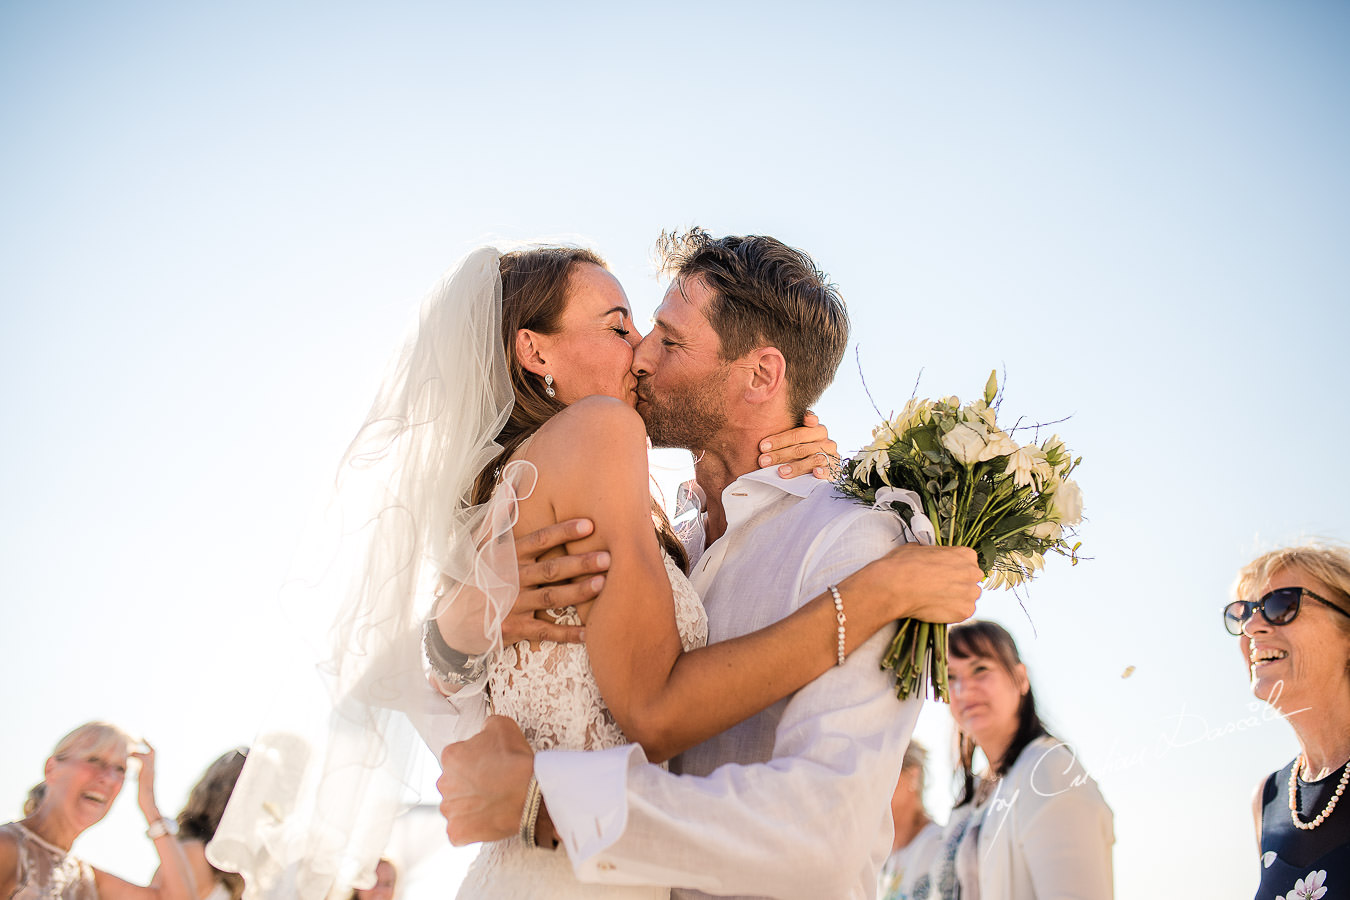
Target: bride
x=511 y=409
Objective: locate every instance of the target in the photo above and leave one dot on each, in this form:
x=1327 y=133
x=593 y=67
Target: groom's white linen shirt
x=794 y=802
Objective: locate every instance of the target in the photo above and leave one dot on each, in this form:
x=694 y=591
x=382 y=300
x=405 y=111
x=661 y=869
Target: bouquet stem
x=918 y=654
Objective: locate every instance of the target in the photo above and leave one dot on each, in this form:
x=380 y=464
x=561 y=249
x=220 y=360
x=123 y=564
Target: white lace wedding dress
x=552 y=694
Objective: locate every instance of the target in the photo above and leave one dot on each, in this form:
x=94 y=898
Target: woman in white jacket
x=1032 y=825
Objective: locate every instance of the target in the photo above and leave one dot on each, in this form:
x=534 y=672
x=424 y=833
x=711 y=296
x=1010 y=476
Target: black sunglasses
x=1279 y=607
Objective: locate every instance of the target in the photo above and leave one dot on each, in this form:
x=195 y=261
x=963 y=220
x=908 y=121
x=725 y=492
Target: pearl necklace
x=1293 y=797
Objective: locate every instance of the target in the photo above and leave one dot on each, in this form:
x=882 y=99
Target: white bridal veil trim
x=312 y=813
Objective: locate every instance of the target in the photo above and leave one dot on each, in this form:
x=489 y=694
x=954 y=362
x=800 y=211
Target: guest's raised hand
x=483 y=783
x=145 y=781
x=799 y=451
x=916 y=581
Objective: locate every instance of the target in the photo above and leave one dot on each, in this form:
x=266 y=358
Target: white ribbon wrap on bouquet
x=919 y=529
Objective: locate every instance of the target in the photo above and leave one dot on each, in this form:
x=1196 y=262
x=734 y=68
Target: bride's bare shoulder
x=591 y=434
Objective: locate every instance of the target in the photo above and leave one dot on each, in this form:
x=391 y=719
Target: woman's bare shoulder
x=597 y=412
x=9 y=861
x=594 y=431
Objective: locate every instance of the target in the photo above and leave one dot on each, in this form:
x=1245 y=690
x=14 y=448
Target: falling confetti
x=1129 y=670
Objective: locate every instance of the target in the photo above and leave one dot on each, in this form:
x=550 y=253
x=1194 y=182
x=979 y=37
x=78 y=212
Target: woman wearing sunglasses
x=1292 y=619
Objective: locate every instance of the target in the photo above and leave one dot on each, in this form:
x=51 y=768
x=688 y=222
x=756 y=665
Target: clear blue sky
x=217 y=222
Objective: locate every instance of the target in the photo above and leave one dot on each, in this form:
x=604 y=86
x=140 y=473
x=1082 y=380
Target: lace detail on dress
x=551 y=693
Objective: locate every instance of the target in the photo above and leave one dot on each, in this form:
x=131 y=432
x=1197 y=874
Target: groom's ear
x=529 y=351
x=767 y=375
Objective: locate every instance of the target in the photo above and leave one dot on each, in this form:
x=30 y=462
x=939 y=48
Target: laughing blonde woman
x=1291 y=616
x=81 y=779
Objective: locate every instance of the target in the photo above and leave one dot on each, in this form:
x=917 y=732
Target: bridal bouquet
x=951 y=471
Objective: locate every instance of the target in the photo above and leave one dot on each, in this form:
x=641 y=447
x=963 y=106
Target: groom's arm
x=808 y=823
x=811 y=822
x=804 y=824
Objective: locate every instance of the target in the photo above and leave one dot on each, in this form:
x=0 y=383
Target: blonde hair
x=1327 y=561
x=91 y=737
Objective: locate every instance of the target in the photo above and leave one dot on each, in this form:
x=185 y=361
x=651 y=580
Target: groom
x=792 y=802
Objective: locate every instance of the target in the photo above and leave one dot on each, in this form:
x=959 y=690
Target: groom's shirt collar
x=798 y=487
x=740 y=499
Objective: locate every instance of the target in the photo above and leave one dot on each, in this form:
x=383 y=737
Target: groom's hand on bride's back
x=553 y=583
x=484 y=781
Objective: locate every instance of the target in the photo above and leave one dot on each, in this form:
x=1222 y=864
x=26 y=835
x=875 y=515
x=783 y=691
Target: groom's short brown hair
x=765 y=293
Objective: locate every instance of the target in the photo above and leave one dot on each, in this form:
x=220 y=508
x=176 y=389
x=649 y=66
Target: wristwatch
x=161 y=827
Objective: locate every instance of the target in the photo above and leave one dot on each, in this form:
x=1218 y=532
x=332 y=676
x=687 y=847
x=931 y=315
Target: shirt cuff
x=587 y=797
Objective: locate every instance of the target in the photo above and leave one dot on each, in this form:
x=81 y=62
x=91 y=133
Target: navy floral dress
x=1304 y=865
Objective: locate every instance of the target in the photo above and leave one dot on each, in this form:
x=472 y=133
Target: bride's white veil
x=312 y=813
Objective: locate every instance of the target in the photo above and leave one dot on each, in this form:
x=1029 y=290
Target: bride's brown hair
x=534 y=296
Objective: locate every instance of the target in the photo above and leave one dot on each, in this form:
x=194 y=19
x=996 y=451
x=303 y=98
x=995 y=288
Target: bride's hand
x=801 y=450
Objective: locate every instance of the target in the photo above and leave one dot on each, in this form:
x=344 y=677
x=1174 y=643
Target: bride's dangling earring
x=548 y=386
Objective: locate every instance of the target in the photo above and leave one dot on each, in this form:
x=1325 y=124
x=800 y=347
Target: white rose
x=999 y=444
x=964 y=443
x=1046 y=531
x=1068 y=503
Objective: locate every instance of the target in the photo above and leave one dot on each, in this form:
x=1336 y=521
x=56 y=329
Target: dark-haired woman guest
x=197 y=825
x=1291 y=616
x=1031 y=824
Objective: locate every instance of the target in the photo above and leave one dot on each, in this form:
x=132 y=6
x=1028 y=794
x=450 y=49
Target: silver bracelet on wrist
x=529 y=816
x=840 y=618
x=449 y=664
